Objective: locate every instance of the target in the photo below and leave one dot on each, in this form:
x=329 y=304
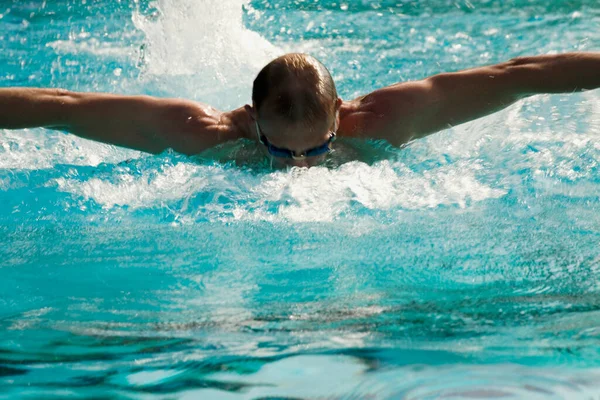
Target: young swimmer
x=296 y=113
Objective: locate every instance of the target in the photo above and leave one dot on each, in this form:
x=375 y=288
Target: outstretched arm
x=410 y=110
x=139 y=122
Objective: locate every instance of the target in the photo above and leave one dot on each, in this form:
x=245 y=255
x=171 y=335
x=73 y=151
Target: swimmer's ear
x=338 y=104
x=251 y=111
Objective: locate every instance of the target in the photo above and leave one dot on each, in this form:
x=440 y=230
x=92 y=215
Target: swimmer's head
x=295 y=103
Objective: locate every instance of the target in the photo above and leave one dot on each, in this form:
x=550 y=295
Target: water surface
x=462 y=266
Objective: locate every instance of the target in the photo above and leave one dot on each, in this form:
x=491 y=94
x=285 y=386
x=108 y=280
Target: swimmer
x=296 y=113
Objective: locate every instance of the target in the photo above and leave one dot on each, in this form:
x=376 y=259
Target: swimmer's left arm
x=410 y=110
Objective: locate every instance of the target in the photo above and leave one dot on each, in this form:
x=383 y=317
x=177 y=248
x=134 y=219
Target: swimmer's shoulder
x=191 y=127
x=368 y=117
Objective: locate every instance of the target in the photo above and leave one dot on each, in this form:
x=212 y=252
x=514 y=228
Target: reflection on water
x=379 y=373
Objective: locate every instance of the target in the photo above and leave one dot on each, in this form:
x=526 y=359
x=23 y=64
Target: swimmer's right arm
x=143 y=123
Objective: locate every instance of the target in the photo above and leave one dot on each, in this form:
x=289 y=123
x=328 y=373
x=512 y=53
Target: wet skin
x=398 y=113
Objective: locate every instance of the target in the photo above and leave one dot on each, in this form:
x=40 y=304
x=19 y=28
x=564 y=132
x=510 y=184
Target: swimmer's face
x=299 y=138
x=295 y=143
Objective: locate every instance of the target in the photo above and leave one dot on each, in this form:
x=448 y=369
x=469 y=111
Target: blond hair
x=297 y=88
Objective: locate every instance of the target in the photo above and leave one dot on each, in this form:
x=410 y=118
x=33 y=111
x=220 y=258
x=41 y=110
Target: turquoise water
x=463 y=266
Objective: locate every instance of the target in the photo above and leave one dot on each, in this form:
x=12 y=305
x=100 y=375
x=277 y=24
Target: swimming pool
x=463 y=266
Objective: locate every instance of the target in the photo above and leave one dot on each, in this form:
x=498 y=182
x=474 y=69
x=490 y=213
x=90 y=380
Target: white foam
x=40 y=149
x=316 y=194
x=201 y=50
x=92 y=46
x=319 y=194
x=148 y=190
x=552 y=145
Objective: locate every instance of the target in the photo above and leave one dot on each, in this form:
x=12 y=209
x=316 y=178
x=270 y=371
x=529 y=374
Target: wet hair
x=296 y=88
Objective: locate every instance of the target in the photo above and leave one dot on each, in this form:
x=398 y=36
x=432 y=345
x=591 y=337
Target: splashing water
x=201 y=50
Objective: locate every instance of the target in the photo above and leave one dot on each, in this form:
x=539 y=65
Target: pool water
x=465 y=265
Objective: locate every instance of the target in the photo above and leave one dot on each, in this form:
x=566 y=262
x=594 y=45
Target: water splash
x=33 y=149
x=302 y=195
x=202 y=50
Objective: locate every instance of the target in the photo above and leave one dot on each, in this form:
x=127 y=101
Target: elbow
x=59 y=96
x=65 y=103
x=62 y=92
x=521 y=76
x=515 y=67
x=65 y=97
x=518 y=62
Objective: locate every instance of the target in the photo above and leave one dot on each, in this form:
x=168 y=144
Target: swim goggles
x=286 y=153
